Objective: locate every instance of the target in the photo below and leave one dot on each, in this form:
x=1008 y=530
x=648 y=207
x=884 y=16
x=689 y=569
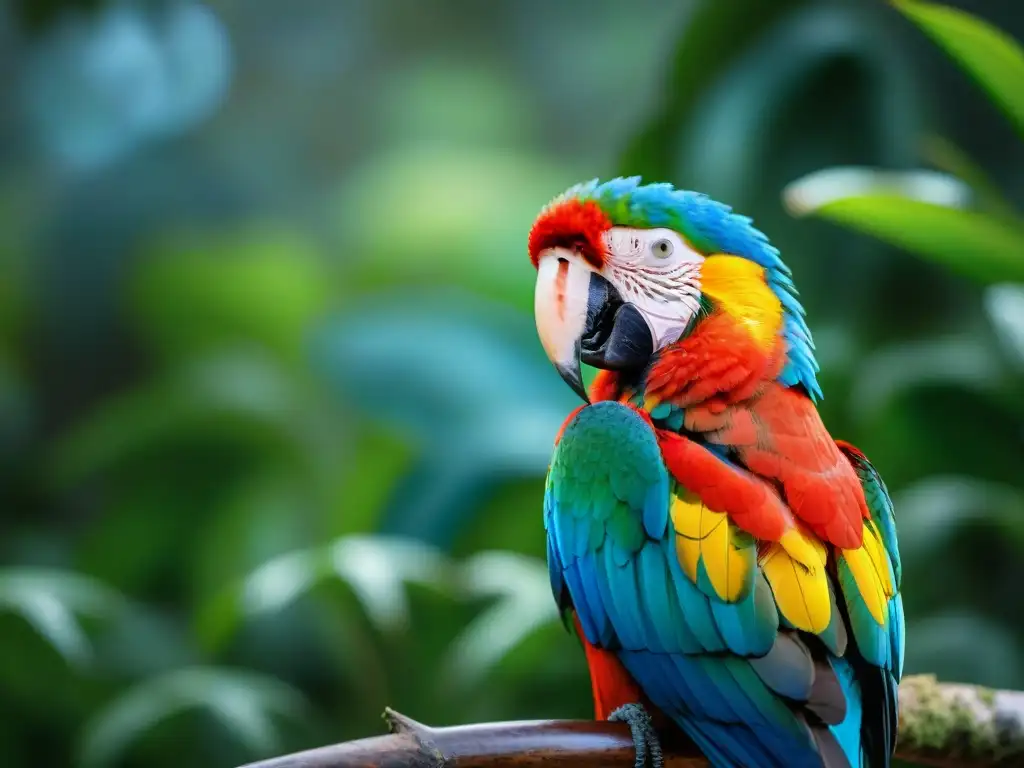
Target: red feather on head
x=573 y=223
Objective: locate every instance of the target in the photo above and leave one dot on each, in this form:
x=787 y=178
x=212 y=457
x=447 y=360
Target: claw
x=645 y=739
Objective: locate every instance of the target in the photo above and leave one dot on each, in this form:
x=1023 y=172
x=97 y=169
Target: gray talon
x=645 y=740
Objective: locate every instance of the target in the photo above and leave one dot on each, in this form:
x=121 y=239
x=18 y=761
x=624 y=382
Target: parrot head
x=625 y=269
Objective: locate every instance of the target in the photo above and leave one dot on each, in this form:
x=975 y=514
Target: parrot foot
x=645 y=739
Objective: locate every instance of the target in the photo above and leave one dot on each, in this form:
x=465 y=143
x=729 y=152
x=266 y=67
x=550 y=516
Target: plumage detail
x=574 y=222
x=751 y=504
x=779 y=435
x=879 y=505
x=738 y=287
x=801 y=589
x=612 y=686
x=804 y=548
x=710 y=541
x=866 y=581
x=721 y=361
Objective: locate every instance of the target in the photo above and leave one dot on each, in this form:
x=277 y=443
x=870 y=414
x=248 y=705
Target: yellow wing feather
x=710 y=538
x=872 y=579
x=875 y=548
x=795 y=569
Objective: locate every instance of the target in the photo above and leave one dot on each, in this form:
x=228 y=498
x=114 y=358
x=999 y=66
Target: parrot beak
x=581 y=317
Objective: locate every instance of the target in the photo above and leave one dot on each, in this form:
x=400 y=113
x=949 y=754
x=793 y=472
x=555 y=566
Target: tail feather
x=848 y=733
x=831 y=751
x=828 y=699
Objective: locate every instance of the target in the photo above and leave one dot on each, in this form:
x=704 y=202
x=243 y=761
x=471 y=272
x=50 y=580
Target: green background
x=273 y=416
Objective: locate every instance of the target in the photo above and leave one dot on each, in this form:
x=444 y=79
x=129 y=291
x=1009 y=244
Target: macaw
x=726 y=563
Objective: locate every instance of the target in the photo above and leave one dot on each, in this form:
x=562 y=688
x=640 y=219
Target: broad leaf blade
x=523 y=590
x=243 y=702
x=993 y=58
x=982 y=247
x=948 y=157
x=376 y=568
x=1004 y=304
x=51 y=602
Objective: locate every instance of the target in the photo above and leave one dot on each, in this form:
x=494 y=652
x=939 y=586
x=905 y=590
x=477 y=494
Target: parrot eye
x=661 y=249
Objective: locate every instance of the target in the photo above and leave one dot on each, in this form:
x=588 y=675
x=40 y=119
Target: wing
x=720 y=384
x=675 y=590
x=877 y=626
x=779 y=435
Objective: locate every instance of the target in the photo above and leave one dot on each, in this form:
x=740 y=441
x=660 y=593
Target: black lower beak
x=573 y=376
x=616 y=336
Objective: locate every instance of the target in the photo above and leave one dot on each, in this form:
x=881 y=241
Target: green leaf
x=809 y=193
x=51 y=601
x=266 y=513
x=242 y=702
x=523 y=591
x=948 y=157
x=993 y=58
x=747 y=119
x=984 y=248
x=464 y=442
x=456 y=216
x=1004 y=304
x=375 y=568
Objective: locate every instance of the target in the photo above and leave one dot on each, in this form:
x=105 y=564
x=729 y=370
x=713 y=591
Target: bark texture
x=941 y=724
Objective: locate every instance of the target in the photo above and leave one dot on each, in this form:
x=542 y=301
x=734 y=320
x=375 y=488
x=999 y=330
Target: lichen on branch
x=960 y=725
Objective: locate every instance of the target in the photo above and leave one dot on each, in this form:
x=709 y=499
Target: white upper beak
x=560 y=309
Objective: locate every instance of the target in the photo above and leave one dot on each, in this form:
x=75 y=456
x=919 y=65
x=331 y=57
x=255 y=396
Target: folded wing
x=709 y=621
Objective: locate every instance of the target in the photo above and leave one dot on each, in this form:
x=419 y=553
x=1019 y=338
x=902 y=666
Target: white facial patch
x=659 y=273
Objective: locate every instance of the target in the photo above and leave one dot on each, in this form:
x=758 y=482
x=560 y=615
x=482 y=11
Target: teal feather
x=653 y=592
x=674 y=421
x=694 y=604
x=834 y=635
x=897 y=636
x=704 y=581
x=770 y=710
x=656 y=509
x=881 y=509
x=661 y=411
x=848 y=732
x=871 y=637
x=623 y=601
x=748 y=627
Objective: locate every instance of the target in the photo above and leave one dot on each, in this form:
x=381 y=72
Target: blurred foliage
x=273 y=417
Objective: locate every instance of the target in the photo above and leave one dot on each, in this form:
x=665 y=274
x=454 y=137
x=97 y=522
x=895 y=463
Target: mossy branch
x=941 y=724
x=946 y=724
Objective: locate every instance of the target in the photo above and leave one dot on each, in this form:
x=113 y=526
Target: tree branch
x=959 y=726
x=943 y=725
